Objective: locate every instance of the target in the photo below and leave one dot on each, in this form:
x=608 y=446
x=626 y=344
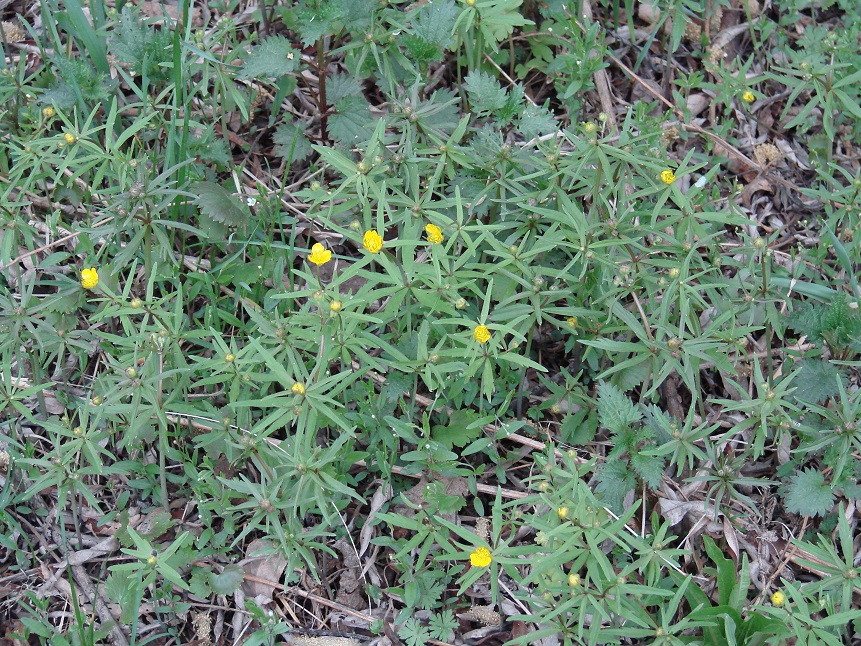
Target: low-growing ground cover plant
x=464 y=321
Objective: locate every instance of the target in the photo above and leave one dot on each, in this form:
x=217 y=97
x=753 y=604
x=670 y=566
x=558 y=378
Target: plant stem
x=322 y=103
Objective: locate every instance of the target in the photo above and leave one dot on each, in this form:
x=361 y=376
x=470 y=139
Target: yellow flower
x=748 y=96
x=563 y=512
x=778 y=598
x=434 y=233
x=48 y=112
x=319 y=254
x=481 y=334
x=335 y=306
x=89 y=278
x=481 y=557
x=298 y=388
x=372 y=241
x=70 y=138
x=668 y=176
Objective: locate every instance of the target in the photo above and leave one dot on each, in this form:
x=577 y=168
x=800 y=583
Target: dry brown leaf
x=264 y=562
x=697 y=102
x=757 y=185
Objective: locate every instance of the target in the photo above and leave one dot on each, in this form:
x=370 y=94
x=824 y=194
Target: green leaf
x=499 y=19
x=340 y=86
x=352 y=122
x=121 y=588
x=218 y=205
x=649 y=468
x=272 y=58
x=291 y=143
x=435 y=23
x=808 y=495
x=460 y=430
x=319 y=21
x=141 y=46
x=615 y=480
x=485 y=94
x=413 y=633
x=198 y=583
x=228 y=581
x=442 y=625
x=726 y=576
x=536 y=121
x=436 y=495
x=615 y=411
x=820 y=381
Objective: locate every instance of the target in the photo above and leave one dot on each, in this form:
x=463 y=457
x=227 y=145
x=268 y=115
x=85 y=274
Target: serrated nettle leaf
x=808 y=495
x=615 y=410
x=219 y=205
x=291 y=143
x=485 y=93
x=615 y=480
x=352 y=122
x=340 y=86
x=817 y=381
x=434 y=23
x=272 y=58
x=319 y=21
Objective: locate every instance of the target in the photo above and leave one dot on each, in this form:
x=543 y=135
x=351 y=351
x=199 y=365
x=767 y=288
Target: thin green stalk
x=162 y=435
x=768 y=326
x=322 y=103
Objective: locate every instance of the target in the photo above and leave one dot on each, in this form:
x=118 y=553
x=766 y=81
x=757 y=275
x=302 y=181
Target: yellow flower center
x=481 y=557
x=434 y=234
x=319 y=254
x=89 y=278
x=481 y=334
x=372 y=241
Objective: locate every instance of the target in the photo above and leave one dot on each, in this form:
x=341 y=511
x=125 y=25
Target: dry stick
x=45 y=247
x=83 y=581
x=326 y=602
x=676 y=110
x=602 y=81
x=680 y=116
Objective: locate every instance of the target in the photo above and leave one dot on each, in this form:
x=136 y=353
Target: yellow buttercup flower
x=481 y=557
x=434 y=234
x=89 y=278
x=48 y=112
x=778 y=598
x=748 y=97
x=481 y=334
x=372 y=241
x=298 y=388
x=668 y=176
x=70 y=138
x=319 y=254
